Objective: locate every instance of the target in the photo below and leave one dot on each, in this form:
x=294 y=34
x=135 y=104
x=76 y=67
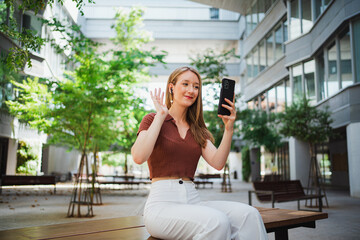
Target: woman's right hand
x=158 y=100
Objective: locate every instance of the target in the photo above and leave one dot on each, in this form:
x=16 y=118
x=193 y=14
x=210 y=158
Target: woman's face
x=186 y=89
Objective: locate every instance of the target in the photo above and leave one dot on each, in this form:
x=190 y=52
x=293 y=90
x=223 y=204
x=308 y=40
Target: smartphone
x=227 y=91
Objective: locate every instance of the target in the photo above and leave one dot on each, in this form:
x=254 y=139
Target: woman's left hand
x=229 y=119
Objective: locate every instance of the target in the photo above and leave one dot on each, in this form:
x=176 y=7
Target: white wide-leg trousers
x=174 y=211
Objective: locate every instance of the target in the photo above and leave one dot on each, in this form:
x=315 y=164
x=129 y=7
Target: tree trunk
x=126 y=164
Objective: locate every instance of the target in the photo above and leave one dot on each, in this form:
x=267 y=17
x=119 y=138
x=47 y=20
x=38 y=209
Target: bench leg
x=250 y=198
x=281 y=234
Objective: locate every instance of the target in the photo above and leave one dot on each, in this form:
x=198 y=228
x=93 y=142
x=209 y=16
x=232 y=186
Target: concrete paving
x=37 y=206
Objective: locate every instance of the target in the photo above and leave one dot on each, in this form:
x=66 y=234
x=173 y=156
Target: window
x=288 y=92
x=306 y=15
x=356 y=38
x=250 y=104
x=269 y=50
x=333 y=84
x=249 y=68
x=320 y=6
x=272 y=99
x=345 y=59
x=214 y=13
x=278 y=43
x=256 y=13
x=263 y=103
x=261 y=9
x=297 y=82
x=321 y=76
x=256 y=62
x=295 y=26
x=300 y=17
x=309 y=77
x=262 y=51
x=254 y=16
x=280 y=97
x=285 y=31
x=248 y=23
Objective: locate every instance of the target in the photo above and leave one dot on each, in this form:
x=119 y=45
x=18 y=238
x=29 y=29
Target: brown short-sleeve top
x=172 y=155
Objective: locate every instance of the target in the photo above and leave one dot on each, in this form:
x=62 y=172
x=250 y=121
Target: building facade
x=310 y=47
x=46 y=63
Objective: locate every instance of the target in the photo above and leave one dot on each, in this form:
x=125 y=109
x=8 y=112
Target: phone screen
x=227 y=91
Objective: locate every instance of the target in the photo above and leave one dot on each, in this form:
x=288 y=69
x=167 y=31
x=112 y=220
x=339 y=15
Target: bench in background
x=128 y=181
x=203 y=179
x=282 y=191
x=15 y=180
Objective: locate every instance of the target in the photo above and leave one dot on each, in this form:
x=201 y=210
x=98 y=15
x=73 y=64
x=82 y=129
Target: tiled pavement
x=25 y=207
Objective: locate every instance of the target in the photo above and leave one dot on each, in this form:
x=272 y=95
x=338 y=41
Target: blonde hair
x=194 y=114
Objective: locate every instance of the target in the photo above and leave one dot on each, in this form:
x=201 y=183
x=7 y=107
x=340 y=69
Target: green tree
x=259 y=129
x=246 y=167
x=308 y=124
x=87 y=109
x=26 y=160
x=212 y=68
x=28 y=40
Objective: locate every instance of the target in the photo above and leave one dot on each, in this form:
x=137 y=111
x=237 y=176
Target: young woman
x=172 y=141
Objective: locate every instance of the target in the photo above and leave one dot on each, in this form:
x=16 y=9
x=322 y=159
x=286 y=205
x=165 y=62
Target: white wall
x=299 y=160
x=63 y=161
x=11 y=158
x=353 y=145
x=235 y=164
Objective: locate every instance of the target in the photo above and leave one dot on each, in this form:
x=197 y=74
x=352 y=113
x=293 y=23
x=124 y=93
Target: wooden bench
x=276 y=220
x=127 y=181
x=15 y=180
x=203 y=179
x=282 y=191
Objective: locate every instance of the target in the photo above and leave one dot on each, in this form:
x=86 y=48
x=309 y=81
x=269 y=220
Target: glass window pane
x=249 y=68
x=306 y=16
x=297 y=84
x=256 y=62
x=214 y=13
x=309 y=75
x=278 y=43
x=321 y=76
x=333 y=84
x=269 y=50
x=345 y=59
x=326 y=3
x=295 y=29
x=263 y=102
x=288 y=93
x=250 y=104
x=262 y=55
x=272 y=99
x=285 y=32
x=320 y=7
x=261 y=9
x=254 y=16
x=280 y=97
x=267 y=5
x=248 y=23
x=356 y=33
x=256 y=103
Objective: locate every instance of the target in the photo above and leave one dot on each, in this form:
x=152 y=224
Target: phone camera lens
x=226 y=84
